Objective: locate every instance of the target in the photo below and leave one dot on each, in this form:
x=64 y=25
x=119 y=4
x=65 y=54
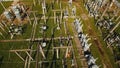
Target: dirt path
x=79 y=48
x=106 y=61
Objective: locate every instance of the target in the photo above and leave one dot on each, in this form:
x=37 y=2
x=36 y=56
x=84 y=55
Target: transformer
x=17 y=14
x=16 y=11
x=8 y=15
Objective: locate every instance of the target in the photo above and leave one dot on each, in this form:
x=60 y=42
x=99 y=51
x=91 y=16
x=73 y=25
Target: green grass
x=16 y=62
x=11 y=59
x=6 y=5
x=5 y=47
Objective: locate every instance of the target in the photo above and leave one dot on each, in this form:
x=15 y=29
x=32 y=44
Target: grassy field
x=11 y=60
x=6 y=58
